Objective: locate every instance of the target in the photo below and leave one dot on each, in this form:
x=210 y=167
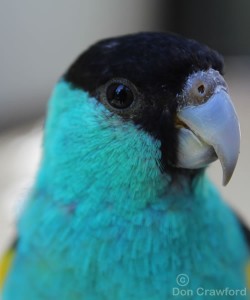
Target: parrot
x=122 y=207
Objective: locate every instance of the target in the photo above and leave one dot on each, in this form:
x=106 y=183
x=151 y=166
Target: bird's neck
x=117 y=178
x=129 y=186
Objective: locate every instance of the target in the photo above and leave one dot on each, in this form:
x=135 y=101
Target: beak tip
x=225 y=180
x=228 y=171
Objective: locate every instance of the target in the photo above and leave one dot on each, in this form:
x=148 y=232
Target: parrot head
x=156 y=102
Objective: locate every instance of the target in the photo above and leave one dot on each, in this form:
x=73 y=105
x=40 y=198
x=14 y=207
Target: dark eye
x=119 y=95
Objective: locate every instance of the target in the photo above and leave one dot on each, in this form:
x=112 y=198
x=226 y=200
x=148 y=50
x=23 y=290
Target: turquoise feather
x=103 y=222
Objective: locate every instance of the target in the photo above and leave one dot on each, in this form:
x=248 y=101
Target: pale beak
x=211 y=131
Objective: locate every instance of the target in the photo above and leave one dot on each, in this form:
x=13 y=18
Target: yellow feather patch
x=248 y=275
x=5 y=264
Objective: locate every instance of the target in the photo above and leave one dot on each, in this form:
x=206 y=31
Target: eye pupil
x=119 y=95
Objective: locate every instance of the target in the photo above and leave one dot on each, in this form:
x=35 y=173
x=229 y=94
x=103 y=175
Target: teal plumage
x=105 y=235
x=104 y=222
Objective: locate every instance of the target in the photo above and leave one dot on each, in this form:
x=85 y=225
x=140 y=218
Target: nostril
x=200 y=86
x=201 y=89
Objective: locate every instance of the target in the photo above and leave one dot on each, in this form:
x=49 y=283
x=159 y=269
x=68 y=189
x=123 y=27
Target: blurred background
x=39 y=40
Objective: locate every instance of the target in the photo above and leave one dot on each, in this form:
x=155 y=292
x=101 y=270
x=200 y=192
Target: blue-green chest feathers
x=103 y=222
